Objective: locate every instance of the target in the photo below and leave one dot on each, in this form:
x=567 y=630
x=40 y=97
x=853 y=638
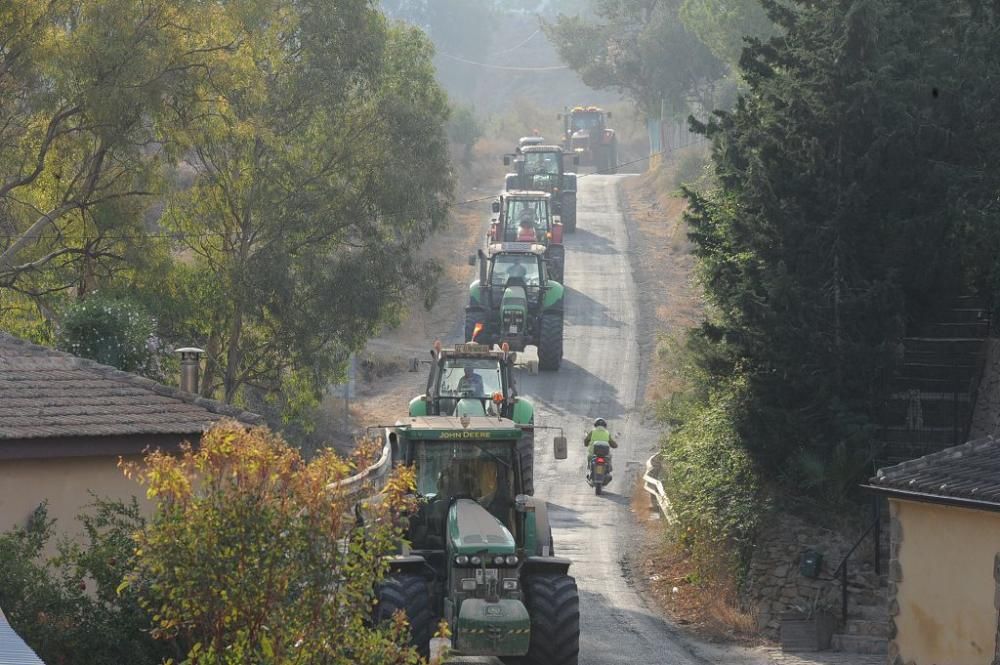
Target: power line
x=505 y=68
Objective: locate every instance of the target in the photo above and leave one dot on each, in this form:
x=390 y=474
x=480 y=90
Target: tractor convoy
x=479 y=554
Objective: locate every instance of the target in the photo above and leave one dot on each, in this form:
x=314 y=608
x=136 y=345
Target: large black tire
x=473 y=315
x=613 y=158
x=554 y=607
x=569 y=212
x=598 y=488
x=412 y=595
x=550 y=341
x=526 y=452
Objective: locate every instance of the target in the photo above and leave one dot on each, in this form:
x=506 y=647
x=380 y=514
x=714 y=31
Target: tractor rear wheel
x=550 y=341
x=568 y=215
x=473 y=315
x=613 y=158
x=411 y=595
x=553 y=604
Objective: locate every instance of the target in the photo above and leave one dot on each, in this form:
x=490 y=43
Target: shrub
x=111 y=331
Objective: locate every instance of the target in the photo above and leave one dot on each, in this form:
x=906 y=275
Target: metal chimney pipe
x=190 y=364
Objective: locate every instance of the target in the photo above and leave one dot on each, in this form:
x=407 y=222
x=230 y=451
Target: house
x=65 y=422
x=944 y=568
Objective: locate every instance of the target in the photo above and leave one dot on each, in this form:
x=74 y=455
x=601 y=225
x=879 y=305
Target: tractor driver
x=517 y=270
x=527 y=230
x=471 y=382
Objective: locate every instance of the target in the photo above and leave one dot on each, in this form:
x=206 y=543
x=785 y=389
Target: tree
x=841 y=215
x=465 y=129
x=316 y=181
x=83 y=88
x=643 y=49
x=725 y=25
x=112 y=331
x=251 y=556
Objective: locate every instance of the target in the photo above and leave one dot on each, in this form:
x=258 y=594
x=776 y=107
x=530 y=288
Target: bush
x=110 y=331
x=712 y=482
x=67 y=607
x=251 y=558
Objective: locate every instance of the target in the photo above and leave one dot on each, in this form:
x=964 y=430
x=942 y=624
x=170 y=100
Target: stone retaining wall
x=775 y=585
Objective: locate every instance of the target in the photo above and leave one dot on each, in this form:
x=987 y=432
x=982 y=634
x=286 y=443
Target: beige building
x=944 y=570
x=65 y=422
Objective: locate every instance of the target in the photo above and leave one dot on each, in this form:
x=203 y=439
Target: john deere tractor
x=586 y=135
x=515 y=302
x=523 y=216
x=473 y=380
x=480 y=552
x=541 y=168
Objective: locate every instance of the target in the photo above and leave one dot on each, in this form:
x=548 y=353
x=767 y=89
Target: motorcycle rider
x=599 y=434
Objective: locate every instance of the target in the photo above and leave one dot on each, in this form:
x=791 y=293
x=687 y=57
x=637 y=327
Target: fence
x=654 y=487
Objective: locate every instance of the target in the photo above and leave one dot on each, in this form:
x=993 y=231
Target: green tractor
x=541 y=168
x=515 y=303
x=479 y=551
x=473 y=380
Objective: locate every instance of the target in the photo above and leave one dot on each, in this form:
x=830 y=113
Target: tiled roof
x=47 y=393
x=13 y=650
x=969 y=472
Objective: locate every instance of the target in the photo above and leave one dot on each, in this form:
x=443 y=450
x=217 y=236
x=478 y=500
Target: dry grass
x=708 y=606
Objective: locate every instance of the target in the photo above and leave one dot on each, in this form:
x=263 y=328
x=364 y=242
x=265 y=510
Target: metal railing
x=654 y=487
x=841 y=572
x=370 y=479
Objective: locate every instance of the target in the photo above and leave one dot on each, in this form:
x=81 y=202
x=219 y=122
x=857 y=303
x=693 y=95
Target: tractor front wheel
x=553 y=604
x=411 y=595
x=550 y=341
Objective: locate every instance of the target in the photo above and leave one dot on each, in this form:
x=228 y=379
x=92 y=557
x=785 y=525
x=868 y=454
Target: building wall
x=65 y=483
x=942 y=574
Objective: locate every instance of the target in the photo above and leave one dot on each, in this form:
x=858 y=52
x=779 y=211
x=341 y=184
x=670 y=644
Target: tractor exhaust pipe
x=482 y=268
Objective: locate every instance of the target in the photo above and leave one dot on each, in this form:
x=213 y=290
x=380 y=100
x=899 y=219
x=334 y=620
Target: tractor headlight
x=498 y=560
x=462 y=560
x=511 y=560
x=510 y=585
x=475 y=560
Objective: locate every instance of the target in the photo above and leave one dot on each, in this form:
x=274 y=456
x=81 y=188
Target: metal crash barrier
x=656 y=494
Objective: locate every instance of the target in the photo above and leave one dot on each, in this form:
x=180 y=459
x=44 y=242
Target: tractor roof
x=525 y=194
x=530 y=140
x=534 y=249
x=586 y=109
x=450 y=428
x=471 y=350
x=541 y=148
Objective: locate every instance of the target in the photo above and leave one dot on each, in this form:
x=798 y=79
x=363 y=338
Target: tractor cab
x=542 y=168
x=479 y=551
x=522 y=216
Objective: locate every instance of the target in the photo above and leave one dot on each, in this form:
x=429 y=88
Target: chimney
x=190 y=363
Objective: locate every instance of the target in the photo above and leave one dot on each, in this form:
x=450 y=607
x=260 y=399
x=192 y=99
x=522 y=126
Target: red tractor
x=586 y=134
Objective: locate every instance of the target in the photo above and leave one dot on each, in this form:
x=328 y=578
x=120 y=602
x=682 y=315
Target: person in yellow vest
x=599 y=434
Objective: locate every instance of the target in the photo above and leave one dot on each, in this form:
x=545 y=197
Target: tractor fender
x=475 y=293
x=524 y=411
x=413 y=564
x=553 y=295
x=418 y=406
x=510 y=181
x=545 y=564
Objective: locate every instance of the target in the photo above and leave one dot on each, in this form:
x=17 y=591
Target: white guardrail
x=370 y=479
x=655 y=488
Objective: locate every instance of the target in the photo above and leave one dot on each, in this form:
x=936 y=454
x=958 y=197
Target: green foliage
x=252 y=558
x=725 y=25
x=112 y=331
x=713 y=484
x=67 y=607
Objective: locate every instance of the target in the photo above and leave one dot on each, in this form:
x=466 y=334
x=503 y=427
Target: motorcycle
x=599 y=471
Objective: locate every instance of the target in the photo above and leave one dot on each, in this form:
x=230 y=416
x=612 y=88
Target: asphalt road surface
x=599 y=376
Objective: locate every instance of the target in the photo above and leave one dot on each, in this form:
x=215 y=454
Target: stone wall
x=986 y=417
x=775 y=586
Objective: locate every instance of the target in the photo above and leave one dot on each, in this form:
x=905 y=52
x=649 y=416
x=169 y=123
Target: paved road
x=599 y=377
